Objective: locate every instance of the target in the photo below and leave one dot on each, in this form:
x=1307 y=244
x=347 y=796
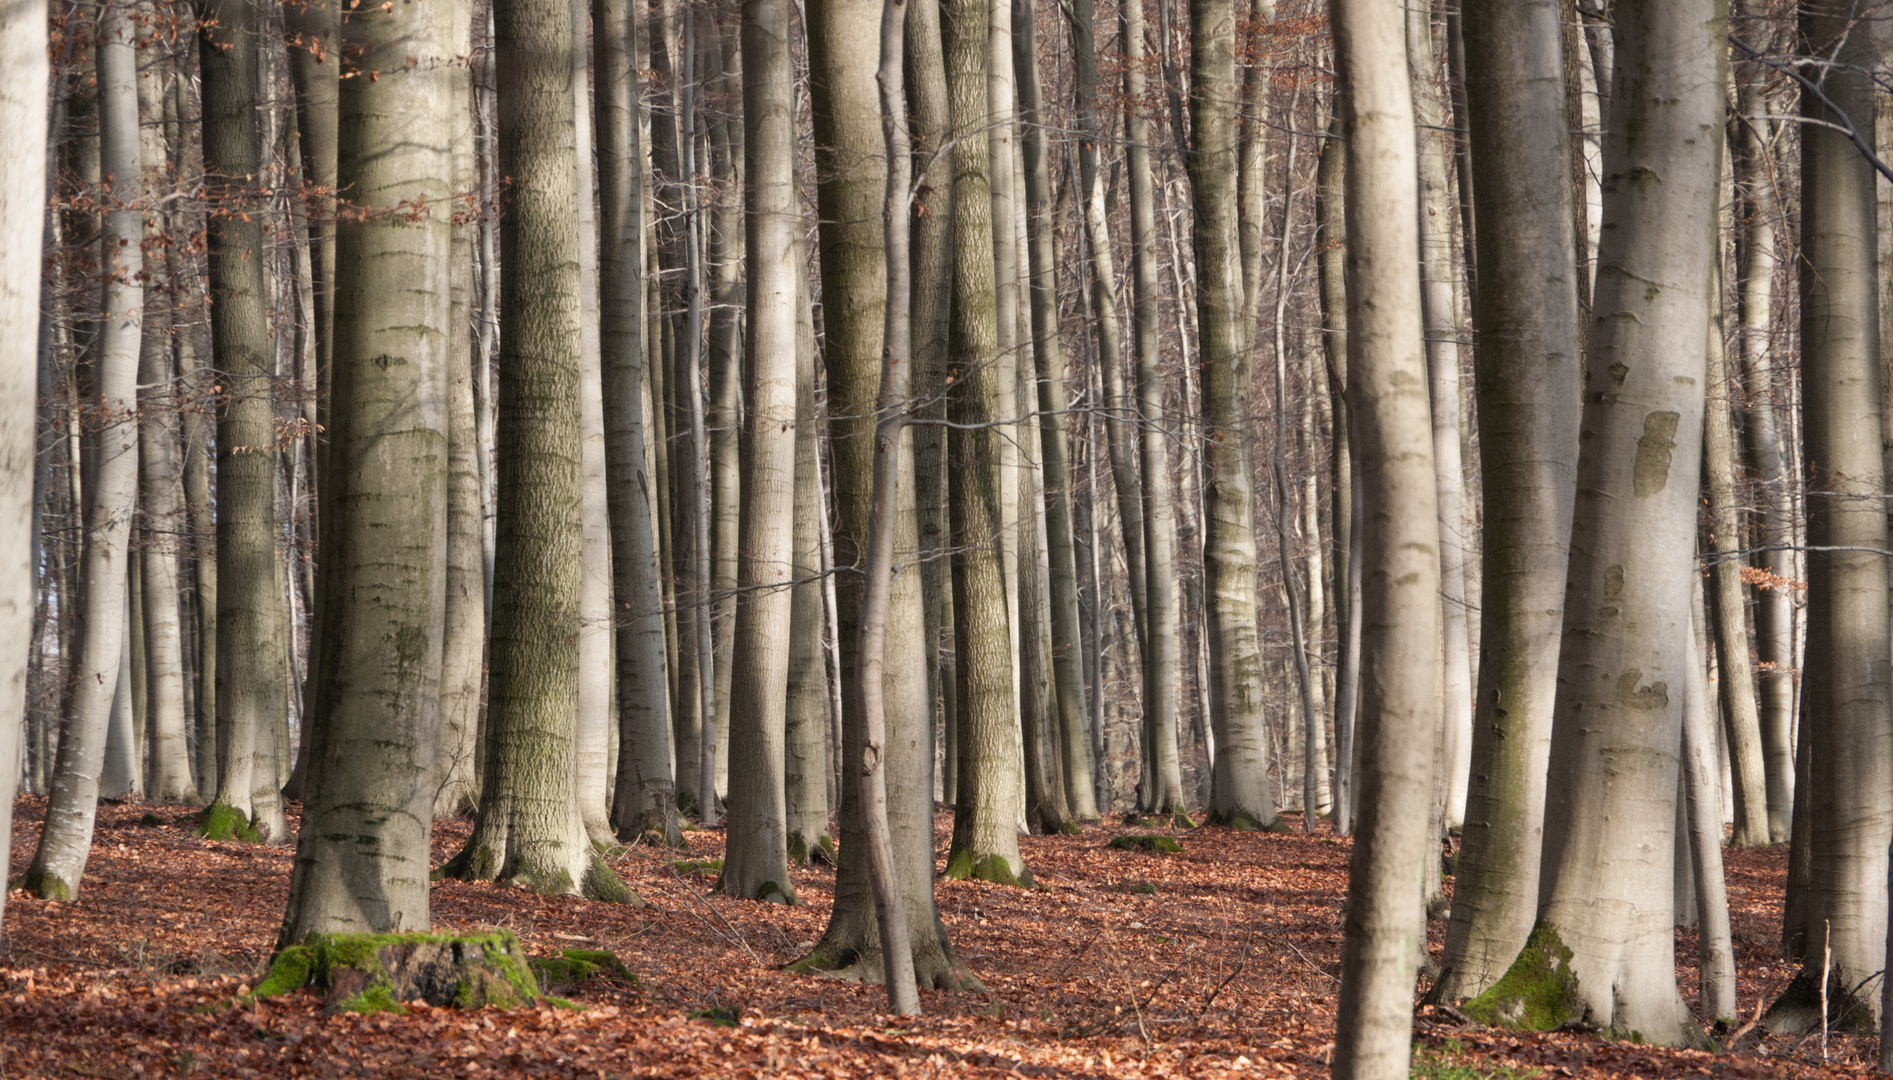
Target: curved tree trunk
x=529 y=829
x=363 y=855
x=112 y=488
x=1847 y=715
x=1386 y=371
x=1606 y=893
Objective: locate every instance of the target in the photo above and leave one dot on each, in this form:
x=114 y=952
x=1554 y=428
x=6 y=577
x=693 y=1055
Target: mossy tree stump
x=378 y=972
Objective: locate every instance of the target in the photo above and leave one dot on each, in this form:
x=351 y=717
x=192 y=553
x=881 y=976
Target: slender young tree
x=1400 y=677
x=1847 y=716
x=756 y=865
x=1605 y=893
x=1527 y=380
x=112 y=476
x=645 y=801
x=23 y=55
x=1048 y=353
x=252 y=631
x=529 y=829
x=363 y=853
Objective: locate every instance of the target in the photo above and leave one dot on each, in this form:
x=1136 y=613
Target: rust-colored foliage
x=1208 y=963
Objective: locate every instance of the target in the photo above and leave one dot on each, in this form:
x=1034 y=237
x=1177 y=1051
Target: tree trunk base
x=368 y=973
x=851 y=951
x=1797 y=1011
x=478 y=862
x=964 y=865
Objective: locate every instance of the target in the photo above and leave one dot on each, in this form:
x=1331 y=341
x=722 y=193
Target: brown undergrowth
x=1216 y=961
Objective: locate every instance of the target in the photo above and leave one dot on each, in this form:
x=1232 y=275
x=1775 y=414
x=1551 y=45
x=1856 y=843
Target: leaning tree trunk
x=1048 y=353
x=1400 y=677
x=22 y=206
x=363 y=856
x=252 y=634
x=1229 y=547
x=1846 y=713
x=645 y=801
x=1702 y=788
x=1606 y=892
x=1528 y=418
x=112 y=480
x=985 y=820
x=755 y=864
x=849 y=157
x=529 y=829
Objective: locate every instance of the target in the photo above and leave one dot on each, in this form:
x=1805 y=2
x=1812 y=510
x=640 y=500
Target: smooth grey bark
x=119 y=774
x=1702 y=788
x=1162 y=677
x=252 y=634
x=1755 y=168
x=755 y=862
x=851 y=194
x=1616 y=727
x=1847 y=702
x=1229 y=545
x=363 y=854
x=932 y=288
x=1400 y=665
x=722 y=60
x=1528 y=387
x=696 y=484
x=23 y=55
x=1439 y=295
x=1331 y=220
x=1741 y=721
x=102 y=659
x=891 y=416
x=1048 y=353
x=807 y=763
x=168 y=764
x=644 y=804
x=592 y=751
x=986 y=815
x=463 y=649
x=529 y=829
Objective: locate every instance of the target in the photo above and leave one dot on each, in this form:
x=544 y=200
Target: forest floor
x=1213 y=962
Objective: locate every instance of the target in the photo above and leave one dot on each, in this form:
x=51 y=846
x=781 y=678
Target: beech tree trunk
x=1847 y=703
x=112 y=479
x=363 y=856
x=644 y=804
x=529 y=829
x=23 y=56
x=1229 y=547
x=755 y=864
x=1606 y=893
x=1528 y=420
x=1400 y=667
x=252 y=634
x=986 y=819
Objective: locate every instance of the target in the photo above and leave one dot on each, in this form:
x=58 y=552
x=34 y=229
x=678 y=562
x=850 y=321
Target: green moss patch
x=803 y=853
x=368 y=973
x=221 y=821
x=573 y=967
x=1538 y=992
x=703 y=868
x=962 y=866
x=719 y=1017
x=1452 y=1061
x=1166 y=844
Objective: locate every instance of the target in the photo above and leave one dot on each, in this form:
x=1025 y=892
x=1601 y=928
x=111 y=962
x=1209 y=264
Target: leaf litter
x=1218 y=961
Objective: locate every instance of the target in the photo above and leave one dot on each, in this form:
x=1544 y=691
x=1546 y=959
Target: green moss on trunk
x=377 y=972
x=1538 y=992
x=1165 y=844
x=961 y=866
x=221 y=821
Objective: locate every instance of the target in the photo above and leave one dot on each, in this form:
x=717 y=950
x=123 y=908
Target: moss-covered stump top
x=1166 y=844
x=377 y=972
x=573 y=967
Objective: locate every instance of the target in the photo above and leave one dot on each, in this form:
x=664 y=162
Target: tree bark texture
x=363 y=856
x=1528 y=395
